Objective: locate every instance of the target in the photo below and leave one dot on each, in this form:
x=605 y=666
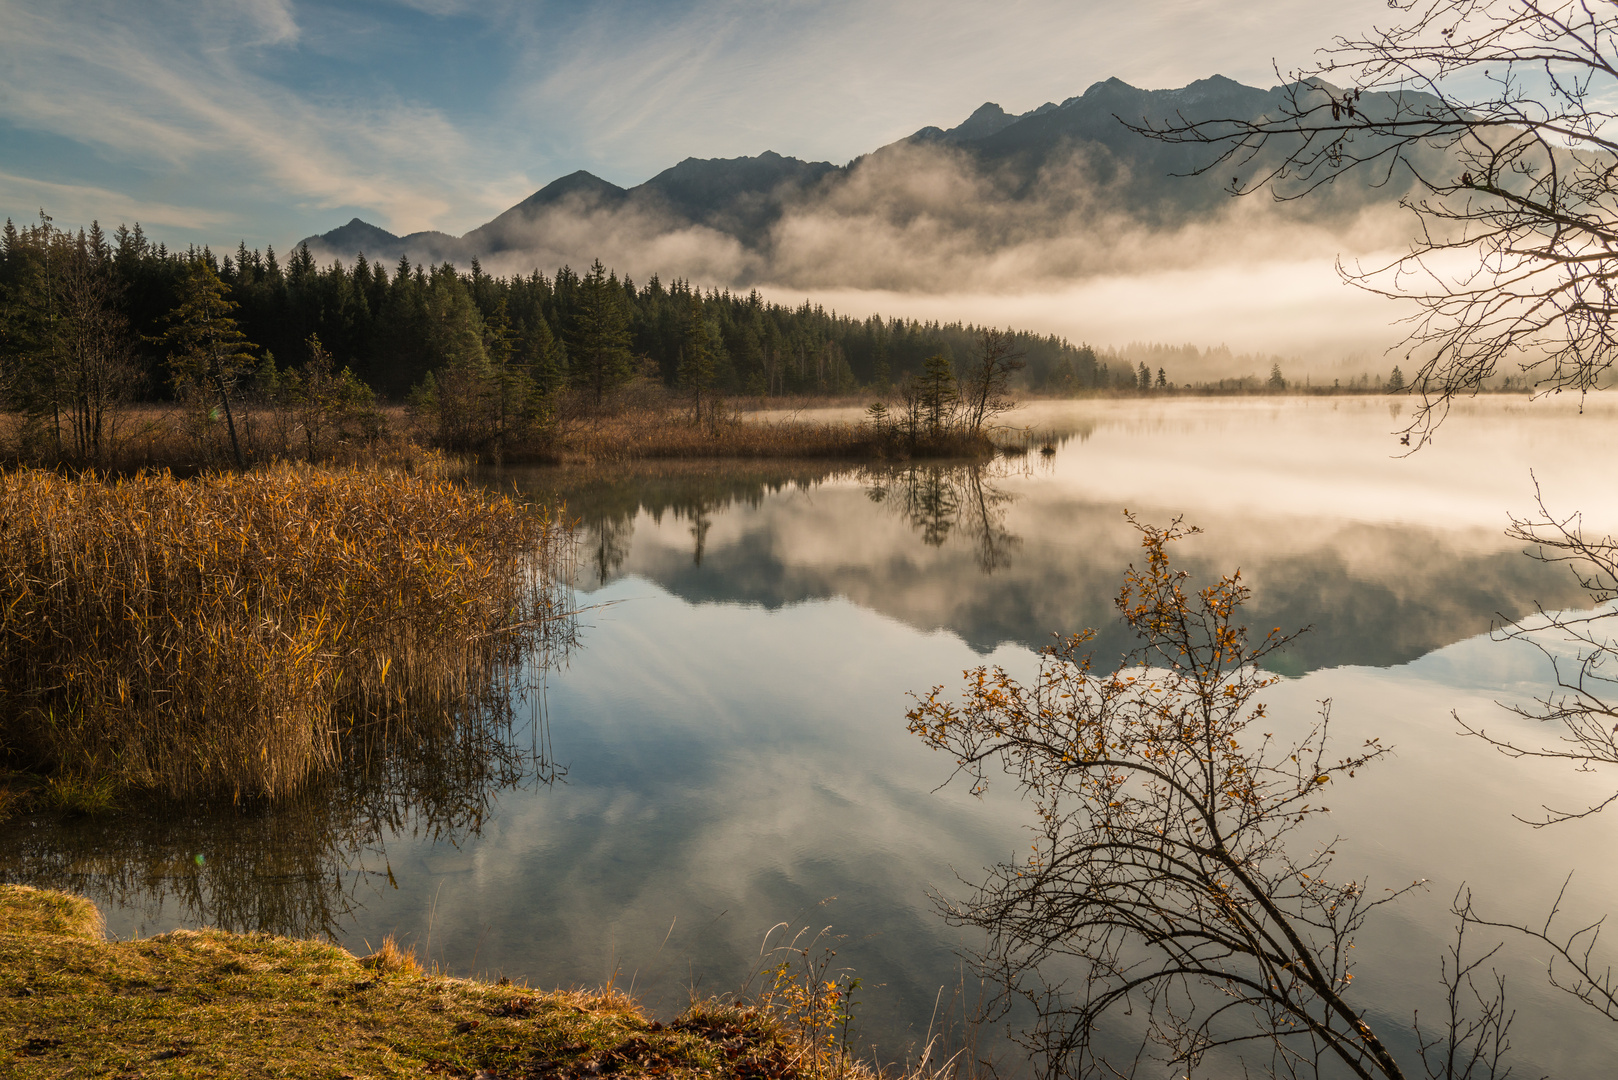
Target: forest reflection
x=1015 y=550
x=939 y=501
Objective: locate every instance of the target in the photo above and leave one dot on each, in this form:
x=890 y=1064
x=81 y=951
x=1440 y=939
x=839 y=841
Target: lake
x=724 y=749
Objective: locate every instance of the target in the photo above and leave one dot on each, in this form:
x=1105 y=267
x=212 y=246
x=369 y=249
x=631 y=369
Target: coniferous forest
x=393 y=326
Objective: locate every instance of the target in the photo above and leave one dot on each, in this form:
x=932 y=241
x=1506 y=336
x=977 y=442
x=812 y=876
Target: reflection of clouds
x=729 y=768
x=734 y=766
x=1440 y=809
x=1376 y=594
x=738 y=749
x=1387 y=558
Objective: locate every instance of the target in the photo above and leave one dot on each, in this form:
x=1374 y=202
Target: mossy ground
x=209 y=1003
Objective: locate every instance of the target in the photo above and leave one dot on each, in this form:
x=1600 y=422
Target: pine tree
x=207 y=352
x=599 y=344
x=28 y=339
x=697 y=367
x=936 y=394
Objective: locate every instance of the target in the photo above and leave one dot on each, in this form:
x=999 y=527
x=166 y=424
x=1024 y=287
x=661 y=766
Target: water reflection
x=734 y=728
x=939 y=501
x=1007 y=552
x=303 y=867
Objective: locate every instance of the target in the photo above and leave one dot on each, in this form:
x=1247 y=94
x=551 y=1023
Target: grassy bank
x=153 y=437
x=662 y=434
x=244 y=634
x=208 y=1003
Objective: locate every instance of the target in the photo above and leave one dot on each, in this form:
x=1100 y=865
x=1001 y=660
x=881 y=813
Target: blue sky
x=268 y=120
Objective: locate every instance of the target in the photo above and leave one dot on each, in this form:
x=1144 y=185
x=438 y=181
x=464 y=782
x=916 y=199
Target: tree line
x=393 y=327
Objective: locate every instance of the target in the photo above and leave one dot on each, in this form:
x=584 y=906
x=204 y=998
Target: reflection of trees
x=296 y=866
x=608 y=540
x=940 y=500
x=701 y=522
x=937 y=500
x=606 y=503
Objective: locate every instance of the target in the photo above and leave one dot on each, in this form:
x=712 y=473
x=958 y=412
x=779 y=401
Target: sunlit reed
x=245 y=634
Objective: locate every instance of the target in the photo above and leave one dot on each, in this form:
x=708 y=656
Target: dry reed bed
x=658 y=434
x=242 y=634
x=653 y=434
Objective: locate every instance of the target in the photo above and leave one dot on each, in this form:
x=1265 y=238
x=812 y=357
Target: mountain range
x=1064 y=184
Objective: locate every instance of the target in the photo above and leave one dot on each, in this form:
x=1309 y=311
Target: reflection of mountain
x=995 y=560
x=1068 y=171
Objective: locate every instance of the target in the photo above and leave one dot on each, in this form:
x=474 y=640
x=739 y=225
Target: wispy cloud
x=439 y=113
x=188 y=103
x=76 y=203
x=647 y=85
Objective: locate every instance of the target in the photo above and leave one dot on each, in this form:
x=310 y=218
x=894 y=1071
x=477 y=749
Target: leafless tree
x=985 y=386
x=1495 y=116
x=1582 y=702
x=1162 y=914
x=96 y=374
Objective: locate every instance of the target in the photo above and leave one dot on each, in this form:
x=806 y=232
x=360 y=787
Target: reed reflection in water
x=305 y=865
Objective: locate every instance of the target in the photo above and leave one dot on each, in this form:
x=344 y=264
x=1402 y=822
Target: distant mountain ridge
x=1071 y=161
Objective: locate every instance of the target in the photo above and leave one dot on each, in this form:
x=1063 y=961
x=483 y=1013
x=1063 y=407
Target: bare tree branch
x=1499 y=115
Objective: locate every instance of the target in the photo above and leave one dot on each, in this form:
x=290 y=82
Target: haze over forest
x=1060 y=219
x=215 y=122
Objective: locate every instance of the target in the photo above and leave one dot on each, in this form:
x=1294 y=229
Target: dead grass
x=642 y=434
x=26 y=910
x=390 y=959
x=637 y=427
x=208 y=1003
x=243 y=634
x=657 y=433
x=159 y=436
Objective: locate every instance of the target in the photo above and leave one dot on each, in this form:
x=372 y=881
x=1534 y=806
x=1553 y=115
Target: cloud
x=640 y=86
x=428 y=113
x=1086 y=251
x=274 y=18
x=83 y=203
x=184 y=101
x=1292 y=307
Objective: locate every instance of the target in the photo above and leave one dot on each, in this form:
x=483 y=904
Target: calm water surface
x=731 y=726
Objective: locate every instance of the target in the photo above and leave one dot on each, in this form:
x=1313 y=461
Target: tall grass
x=664 y=433
x=244 y=634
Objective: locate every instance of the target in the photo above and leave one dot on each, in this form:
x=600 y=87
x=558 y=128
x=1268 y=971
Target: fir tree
x=697 y=367
x=936 y=394
x=599 y=344
x=207 y=353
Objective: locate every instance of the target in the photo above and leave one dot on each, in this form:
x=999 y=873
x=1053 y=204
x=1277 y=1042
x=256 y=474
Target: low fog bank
x=1079 y=246
x=1213 y=322
x=927 y=219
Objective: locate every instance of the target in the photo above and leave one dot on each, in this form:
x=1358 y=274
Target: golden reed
x=241 y=634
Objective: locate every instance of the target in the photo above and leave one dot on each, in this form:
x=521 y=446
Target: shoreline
x=208 y=1002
